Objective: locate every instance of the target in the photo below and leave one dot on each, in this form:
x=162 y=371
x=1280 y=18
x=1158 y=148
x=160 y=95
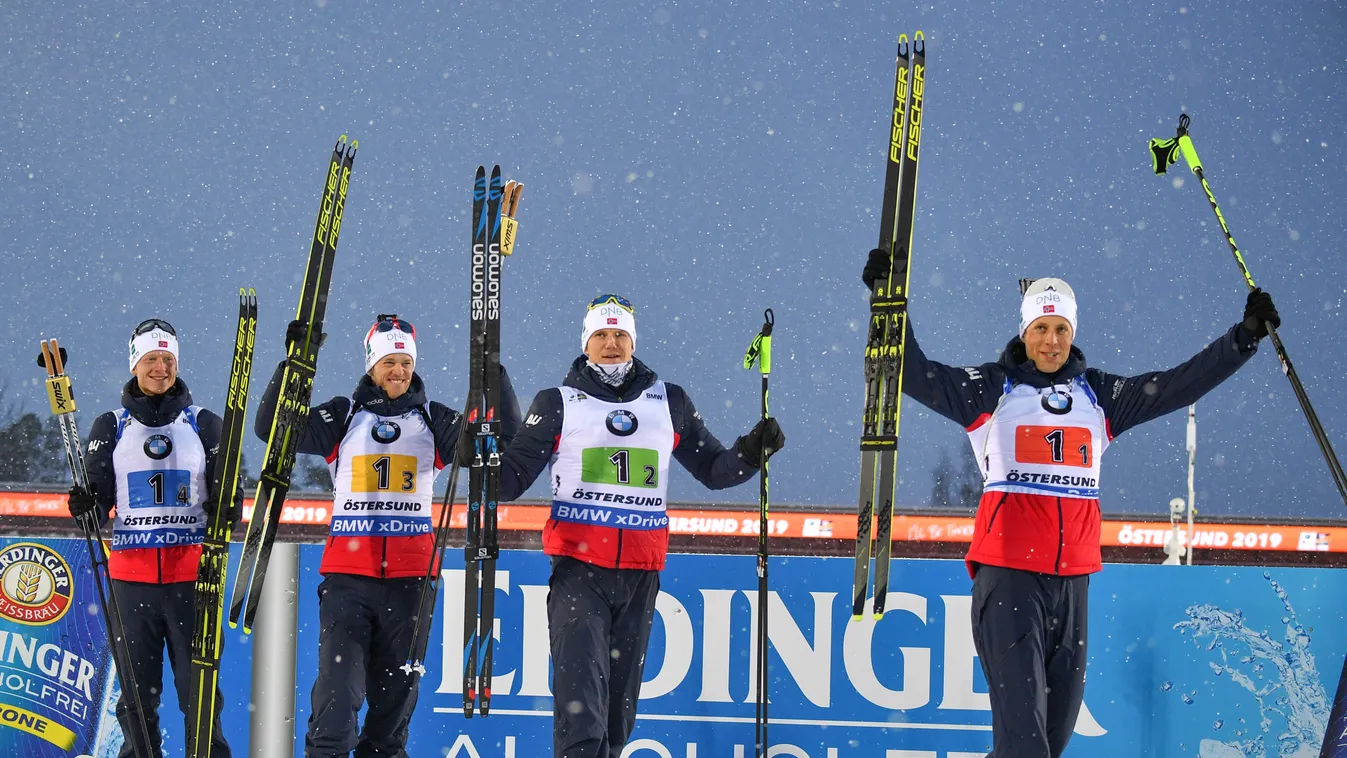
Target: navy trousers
x=1029 y=630
x=599 y=621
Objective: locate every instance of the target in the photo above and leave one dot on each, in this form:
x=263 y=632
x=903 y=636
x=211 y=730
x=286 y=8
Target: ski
x=490 y=432
x=471 y=414
x=292 y=408
x=888 y=327
x=494 y=208
x=62 y=401
x=210 y=581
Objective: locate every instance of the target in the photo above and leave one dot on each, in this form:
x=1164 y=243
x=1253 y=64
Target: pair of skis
x=888 y=330
x=493 y=209
x=494 y=229
x=210 y=581
x=62 y=402
x=292 y=407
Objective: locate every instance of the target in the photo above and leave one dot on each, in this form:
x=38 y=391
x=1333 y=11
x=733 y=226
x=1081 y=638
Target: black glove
x=1258 y=311
x=42 y=359
x=82 y=502
x=876 y=267
x=465 y=450
x=766 y=435
x=297 y=330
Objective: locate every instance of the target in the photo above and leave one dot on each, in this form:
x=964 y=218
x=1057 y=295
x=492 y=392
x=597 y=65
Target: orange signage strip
x=793 y=524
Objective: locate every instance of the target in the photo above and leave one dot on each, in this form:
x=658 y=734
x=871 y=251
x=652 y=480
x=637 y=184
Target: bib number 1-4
x=156 y=489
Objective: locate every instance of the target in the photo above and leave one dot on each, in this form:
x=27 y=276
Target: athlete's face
x=393 y=374
x=609 y=347
x=156 y=372
x=1048 y=343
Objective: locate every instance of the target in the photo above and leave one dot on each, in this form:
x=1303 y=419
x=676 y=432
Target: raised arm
x=1131 y=400
x=322 y=433
x=960 y=394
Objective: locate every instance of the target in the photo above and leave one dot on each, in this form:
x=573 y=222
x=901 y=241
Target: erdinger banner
x=55 y=665
x=1184 y=661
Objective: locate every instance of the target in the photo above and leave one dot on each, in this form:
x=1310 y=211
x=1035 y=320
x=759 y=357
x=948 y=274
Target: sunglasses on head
x=605 y=299
x=388 y=322
x=151 y=324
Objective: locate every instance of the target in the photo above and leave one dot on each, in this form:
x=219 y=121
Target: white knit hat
x=609 y=312
x=1048 y=297
x=388 y=336
x=156 y=336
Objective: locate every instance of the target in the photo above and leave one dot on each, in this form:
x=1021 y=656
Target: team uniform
x=384 y=455
x=609 y=447
x=1039 y=439
x=152 y=459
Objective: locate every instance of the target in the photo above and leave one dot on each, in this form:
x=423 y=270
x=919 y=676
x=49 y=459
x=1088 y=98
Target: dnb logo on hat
x=158 y=446
x=621 y=422
x=1057 y=403
x=35 y=584
x=385 y=432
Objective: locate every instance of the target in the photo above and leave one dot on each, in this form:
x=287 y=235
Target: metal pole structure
x=1192 y=464
x=273 y=696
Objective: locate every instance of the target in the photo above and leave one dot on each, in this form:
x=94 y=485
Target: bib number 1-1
x=1053 y=446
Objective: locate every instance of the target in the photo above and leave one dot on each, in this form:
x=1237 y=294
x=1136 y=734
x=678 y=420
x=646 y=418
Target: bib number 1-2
x=628 y=466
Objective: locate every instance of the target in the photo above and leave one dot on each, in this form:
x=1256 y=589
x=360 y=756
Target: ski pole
x=1164 y=153
x=760 y=351
x=430 y=583
x=63 y=407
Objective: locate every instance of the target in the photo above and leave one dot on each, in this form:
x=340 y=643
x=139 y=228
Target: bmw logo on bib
x=1057 y=403
x=158 y=447
x=385 y=432
x=622 y=423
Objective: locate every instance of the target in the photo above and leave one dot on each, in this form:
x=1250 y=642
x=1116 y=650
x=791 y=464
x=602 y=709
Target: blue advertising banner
x=1208 y=661
x=58 y=687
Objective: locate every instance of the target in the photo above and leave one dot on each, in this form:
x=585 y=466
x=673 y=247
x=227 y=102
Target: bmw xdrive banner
x=1184 y=661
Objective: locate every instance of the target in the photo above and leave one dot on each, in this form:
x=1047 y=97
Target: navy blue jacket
x=381 y=557
x=695 y=449
x=1047 y=533
x=964 y=395
x=151 y=565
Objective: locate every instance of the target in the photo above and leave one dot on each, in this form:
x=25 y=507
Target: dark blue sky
x=707 y=159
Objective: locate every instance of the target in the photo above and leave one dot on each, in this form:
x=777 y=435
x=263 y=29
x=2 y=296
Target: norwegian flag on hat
x=1049 y=309
x=163 y=343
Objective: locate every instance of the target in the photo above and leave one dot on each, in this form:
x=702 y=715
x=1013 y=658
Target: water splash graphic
x=1294 y=698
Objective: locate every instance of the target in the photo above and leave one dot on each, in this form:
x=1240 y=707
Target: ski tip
x=919 y=42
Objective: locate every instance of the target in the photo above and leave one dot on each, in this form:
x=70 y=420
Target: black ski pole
x=430 y=583
x=760 y=351
x=1164 y=152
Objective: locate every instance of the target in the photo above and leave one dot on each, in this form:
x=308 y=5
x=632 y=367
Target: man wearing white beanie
x=384 y=446
x=150 y=462
x=609 y=433
x=1039 y=420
